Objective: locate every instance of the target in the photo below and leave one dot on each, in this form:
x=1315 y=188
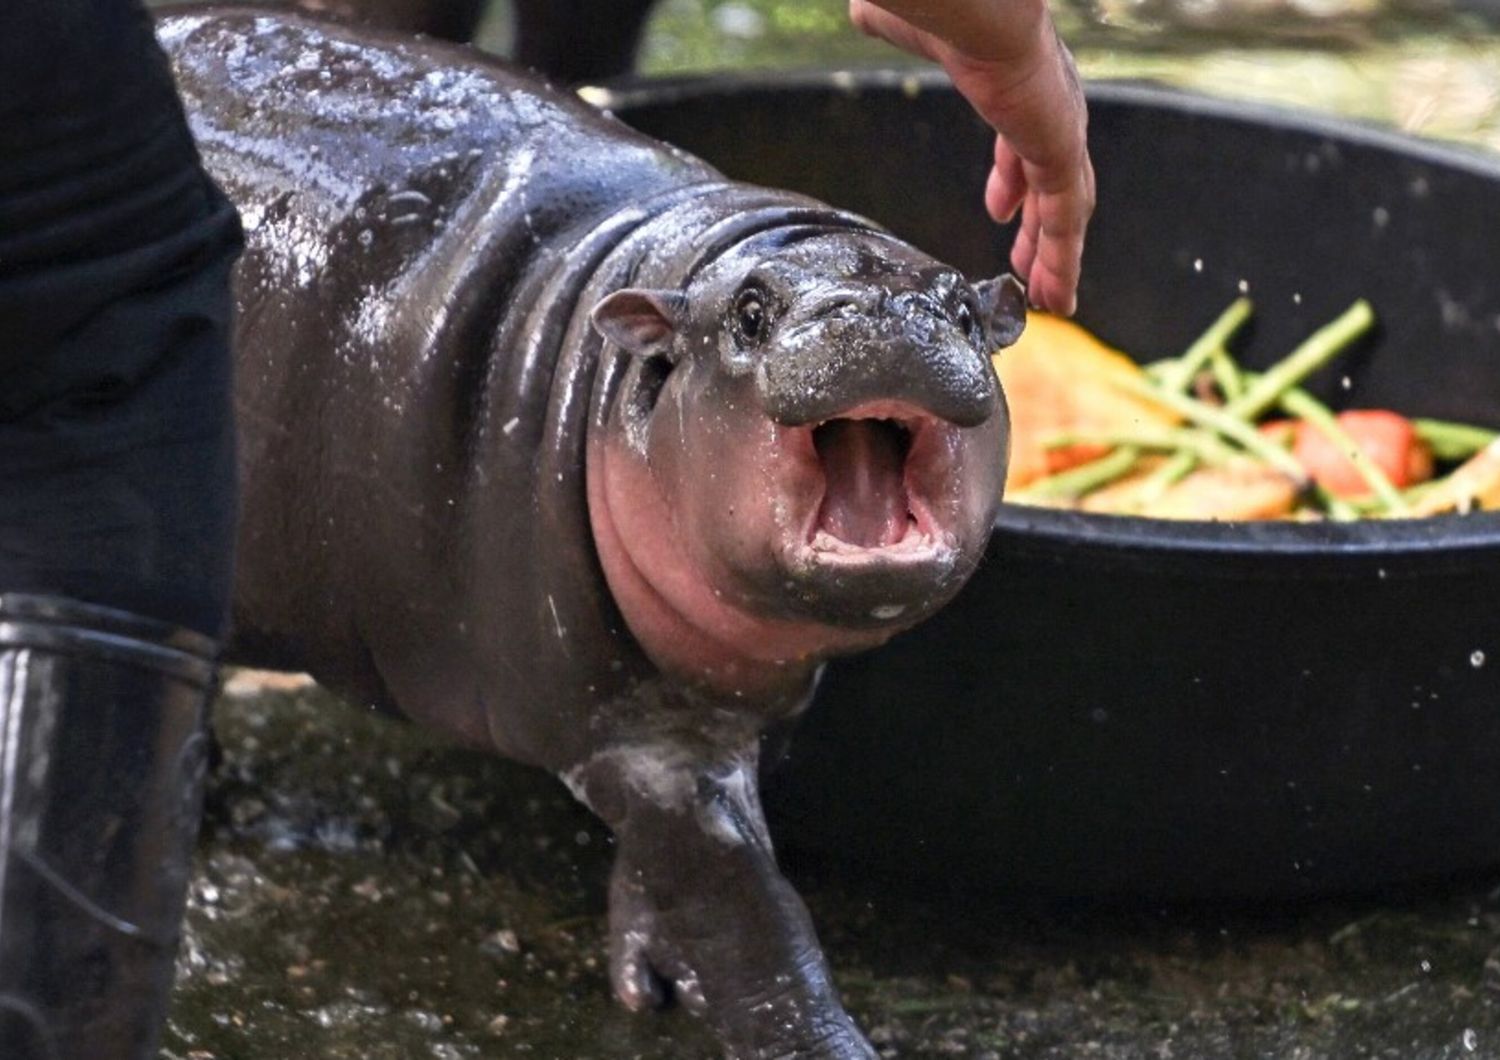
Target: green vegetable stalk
x=1338 y=509
x=1227 y=374
x=1202 y=443
x=1303 y=405
x=1319 y=348
x=1222 y=421
x=1453 y=441
x=1165 y=477
x=1085 y=478
x=1178 y=375
x=1411 y=495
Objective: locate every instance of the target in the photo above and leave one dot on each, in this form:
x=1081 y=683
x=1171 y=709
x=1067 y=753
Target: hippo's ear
x=641 y=321
x=1002 y=305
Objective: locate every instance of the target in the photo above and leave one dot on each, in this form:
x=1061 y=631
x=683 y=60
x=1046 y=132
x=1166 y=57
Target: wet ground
x=364 y=892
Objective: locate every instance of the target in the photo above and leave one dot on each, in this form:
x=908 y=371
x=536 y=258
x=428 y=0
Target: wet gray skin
x=557 y=441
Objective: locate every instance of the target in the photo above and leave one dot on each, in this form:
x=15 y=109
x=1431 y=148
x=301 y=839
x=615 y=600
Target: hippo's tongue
x=865 y=503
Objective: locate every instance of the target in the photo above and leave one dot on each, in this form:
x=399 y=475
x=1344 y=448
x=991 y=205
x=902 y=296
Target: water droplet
x=366 y=237
x=1476 y=659
x=1244 y=287
x=1197 y=264
x=1470 y=1040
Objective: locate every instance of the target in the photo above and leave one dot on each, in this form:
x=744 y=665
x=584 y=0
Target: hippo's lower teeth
x=864 y=468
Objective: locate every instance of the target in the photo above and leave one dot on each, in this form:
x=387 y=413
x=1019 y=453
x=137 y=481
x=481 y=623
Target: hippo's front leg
x=698 y=905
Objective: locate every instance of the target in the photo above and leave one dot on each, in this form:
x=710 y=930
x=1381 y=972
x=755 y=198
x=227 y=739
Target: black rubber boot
x=102 y=755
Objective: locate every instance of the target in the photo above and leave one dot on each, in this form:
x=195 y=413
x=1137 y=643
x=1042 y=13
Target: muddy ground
x=364 y=893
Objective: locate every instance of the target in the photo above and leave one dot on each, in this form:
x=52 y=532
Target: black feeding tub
x=1118 y=705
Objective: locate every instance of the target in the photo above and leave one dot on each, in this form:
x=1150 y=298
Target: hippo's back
x=298 y=116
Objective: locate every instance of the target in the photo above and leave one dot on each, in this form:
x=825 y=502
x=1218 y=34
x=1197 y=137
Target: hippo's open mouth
x=873 y=461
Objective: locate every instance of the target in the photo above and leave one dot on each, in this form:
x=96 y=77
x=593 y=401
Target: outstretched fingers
x=1048 y=252
x=1006 y=189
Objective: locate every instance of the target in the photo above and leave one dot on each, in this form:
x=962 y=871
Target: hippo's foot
x=695 y=956
x=700 y=914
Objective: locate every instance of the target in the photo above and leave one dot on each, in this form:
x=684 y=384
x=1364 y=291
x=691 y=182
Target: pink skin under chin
x=672 y=610
x=683 y=615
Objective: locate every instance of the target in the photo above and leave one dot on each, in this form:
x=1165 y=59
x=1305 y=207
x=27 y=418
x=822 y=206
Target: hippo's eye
x=750 y=316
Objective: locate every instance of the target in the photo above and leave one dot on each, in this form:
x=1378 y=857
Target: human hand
x=1005 y=58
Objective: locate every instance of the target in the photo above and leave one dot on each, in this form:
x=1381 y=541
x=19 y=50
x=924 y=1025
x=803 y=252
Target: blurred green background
x=1427 y=66
x=1430 y=67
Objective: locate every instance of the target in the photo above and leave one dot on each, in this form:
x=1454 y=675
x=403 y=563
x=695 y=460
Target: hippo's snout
x=837 y=362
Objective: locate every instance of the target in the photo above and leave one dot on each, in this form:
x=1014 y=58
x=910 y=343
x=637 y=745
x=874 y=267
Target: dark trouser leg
x=116 y=488
x=116 y=443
